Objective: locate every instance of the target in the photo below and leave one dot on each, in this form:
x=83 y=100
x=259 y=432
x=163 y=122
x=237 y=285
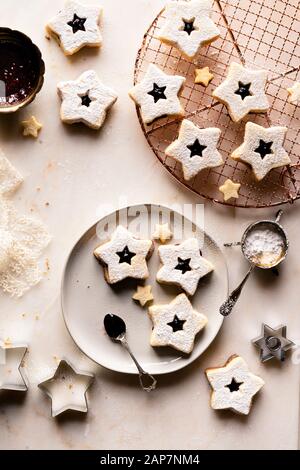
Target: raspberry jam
x=21 y=68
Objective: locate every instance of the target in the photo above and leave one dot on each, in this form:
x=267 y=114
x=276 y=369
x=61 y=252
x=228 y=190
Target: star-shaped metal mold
x=273 y=343
x=67 y=389
x=11 y=358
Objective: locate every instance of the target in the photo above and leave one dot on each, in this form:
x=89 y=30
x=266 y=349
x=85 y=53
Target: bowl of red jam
x=21 y=70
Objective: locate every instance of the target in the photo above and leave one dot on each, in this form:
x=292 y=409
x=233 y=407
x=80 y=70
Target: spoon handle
x=227 y=306
x=147 y=381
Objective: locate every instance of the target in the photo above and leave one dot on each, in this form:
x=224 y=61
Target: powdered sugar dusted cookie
x=124 y=256
x=157 y=94
x=85 y=100
x=76 y=26
x=234 y=386
x=294 y=94
x=262 y=149
x=243 y=91
x=176 y=324
x=188 y=26
x=183 y=265
x=195 y=149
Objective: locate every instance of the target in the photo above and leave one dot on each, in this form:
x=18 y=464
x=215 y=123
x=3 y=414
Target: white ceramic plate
x=87 y=298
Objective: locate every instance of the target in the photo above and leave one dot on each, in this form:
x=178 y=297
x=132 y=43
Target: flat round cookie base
x=87 y=298
x=261 y=37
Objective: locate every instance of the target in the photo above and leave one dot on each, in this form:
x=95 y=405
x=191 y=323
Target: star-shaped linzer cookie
x=273 y=343
x=76 y=26
x=233 y=385
x=31 y=127
x=11 y=357
x=188 y=26
x=243 y=91
x=183 y=265
x=143 y=295
x=203 y=76
x=262 y=149
x=67 y=389
x=176 y=324
x=230 y=189
x=157 y=94
x=195 y=148
x=124 y=256
x=294 y=94
x=85 y=100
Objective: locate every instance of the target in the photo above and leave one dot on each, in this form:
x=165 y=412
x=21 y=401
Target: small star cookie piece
x=294 y=94
x=31 y=127
x=157 y=94
x=203 y=76
x=262 y=149
x=243 y=91
x=234 y=386
x=230 y=189
x=176 y=324
x=183 y=265
x=76 y=26
x=85 y=100
x=188 y=26
x=195 y=149
x=124 y=256
x=162 y=233
x=143 y=295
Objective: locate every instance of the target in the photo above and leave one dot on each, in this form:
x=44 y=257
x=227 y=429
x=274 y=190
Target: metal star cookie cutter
x=61 y=388
x=11 y=358
x=273 y=343
x=255 y=260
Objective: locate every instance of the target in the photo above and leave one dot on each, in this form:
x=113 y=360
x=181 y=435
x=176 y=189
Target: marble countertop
x=83 y=174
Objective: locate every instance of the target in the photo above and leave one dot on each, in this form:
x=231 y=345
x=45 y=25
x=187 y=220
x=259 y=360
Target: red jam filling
x=19 y=73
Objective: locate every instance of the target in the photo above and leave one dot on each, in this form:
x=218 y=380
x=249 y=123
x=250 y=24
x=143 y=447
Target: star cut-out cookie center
x=196 y=149
x=77 y=23
x=183 y=265
x=176 y=324
x=188 y=26
x=125 y=255
x=86 y=100
x=264 y=148
x=243 y=90
x=234 y=385
x=158 y=93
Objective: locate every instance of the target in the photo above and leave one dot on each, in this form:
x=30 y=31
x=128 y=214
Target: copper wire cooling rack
x=259 y=34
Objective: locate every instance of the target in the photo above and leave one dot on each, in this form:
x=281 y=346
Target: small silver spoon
x=227 y=306
x=115 y=327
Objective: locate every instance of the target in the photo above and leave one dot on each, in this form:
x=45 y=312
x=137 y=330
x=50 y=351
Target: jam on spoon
x=115 y=327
